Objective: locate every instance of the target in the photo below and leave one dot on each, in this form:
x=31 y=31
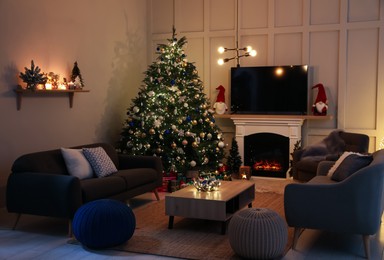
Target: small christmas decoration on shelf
x=220 y=106
x=320 y=107
x=33 y=76
x=76 y=78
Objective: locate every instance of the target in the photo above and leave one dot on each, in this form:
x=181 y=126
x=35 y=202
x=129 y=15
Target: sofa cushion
x=77 y=164
x=338 y=162
x=321 y=179
x=99 y=188
x=351 y=164
x=137 y=177
x=309 y=164
x=101 y=163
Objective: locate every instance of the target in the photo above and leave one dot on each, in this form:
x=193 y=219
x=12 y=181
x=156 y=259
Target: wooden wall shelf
x=69 y=92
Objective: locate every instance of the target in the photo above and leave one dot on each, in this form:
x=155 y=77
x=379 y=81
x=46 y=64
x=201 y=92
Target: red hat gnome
x=320 y=107
x=220 y=106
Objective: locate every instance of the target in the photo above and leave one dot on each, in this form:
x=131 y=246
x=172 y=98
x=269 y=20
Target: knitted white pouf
x=258 y=233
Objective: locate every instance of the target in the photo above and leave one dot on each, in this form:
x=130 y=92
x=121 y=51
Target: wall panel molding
x=322 y=33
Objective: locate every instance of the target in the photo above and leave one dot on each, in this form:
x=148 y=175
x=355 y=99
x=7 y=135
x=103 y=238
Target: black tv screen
x=275 y=90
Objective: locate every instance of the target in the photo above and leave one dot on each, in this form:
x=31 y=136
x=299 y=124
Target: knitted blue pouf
x=103 y=223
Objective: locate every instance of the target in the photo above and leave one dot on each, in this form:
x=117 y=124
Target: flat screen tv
x=274 y=90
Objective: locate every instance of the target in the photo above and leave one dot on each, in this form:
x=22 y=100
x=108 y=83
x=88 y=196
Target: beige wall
x=106 y=38
x=341 y=40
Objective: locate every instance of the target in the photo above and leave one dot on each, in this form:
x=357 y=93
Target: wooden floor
x=46 y=238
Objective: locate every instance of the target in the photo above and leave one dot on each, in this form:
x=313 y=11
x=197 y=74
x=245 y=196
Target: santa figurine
x=320 y=107
x=220 y=106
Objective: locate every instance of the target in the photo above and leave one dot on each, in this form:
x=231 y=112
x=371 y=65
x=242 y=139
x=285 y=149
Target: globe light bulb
x=220 y=62
x=221 y=49
x=253 y=53
x=279 y=71
x=249 y=48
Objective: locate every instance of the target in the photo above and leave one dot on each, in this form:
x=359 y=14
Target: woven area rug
x=189 y=238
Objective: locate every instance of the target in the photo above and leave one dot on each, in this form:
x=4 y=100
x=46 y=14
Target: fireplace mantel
x=285 y=125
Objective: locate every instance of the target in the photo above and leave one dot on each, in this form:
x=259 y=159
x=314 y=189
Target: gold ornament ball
x=202 y=134
x=143 y=135
x=194 y=144
x=173 y=145
x=211 y=124
x=197 y=96
x=158 y=150
x=152 y=131
x=194 y=122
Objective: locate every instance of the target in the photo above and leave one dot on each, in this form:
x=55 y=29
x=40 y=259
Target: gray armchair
x=306 y=160
x=353 y=205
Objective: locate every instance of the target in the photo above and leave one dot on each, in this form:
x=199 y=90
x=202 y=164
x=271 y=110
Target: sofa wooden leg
x=296 y=234
x=367 y=248
x=70 y=233
x=16 y=221
x=156 y=194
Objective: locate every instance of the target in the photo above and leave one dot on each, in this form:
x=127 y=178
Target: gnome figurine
x=320 y=107
x=220 y=106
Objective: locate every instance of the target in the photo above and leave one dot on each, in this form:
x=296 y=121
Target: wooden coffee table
x=217 y=205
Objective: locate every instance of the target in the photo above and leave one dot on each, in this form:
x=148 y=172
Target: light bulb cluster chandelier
x=239 y=52
x=247 y=51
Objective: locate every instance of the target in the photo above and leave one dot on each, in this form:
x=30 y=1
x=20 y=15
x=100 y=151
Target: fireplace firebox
x=267 y=154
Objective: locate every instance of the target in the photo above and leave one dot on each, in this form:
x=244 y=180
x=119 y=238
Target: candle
x=71 y=85
x=62 y=87
x=48 y=86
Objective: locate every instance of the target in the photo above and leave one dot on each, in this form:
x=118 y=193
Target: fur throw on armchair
x=333 y=145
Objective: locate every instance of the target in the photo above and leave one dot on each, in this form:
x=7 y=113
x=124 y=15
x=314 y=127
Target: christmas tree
x=171 y=117
x=76 y=77
x=234 y=159
x=33 y=76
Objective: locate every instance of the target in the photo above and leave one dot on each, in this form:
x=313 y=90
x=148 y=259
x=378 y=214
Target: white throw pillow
x=77 y=164
x=339 y=161
x=100 y=161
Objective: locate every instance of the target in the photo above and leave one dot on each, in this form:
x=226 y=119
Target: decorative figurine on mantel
x=220 y=106
x=76 y=79
x=320 y=107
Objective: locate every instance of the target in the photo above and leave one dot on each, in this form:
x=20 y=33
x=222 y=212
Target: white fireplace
x=288 y=126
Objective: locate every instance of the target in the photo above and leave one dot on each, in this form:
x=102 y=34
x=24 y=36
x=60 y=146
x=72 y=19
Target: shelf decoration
x=76 y=78
x=40 y=83
x=33 y=76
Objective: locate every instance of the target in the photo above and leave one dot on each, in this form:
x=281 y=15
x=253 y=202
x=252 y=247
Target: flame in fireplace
x=265 y=165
